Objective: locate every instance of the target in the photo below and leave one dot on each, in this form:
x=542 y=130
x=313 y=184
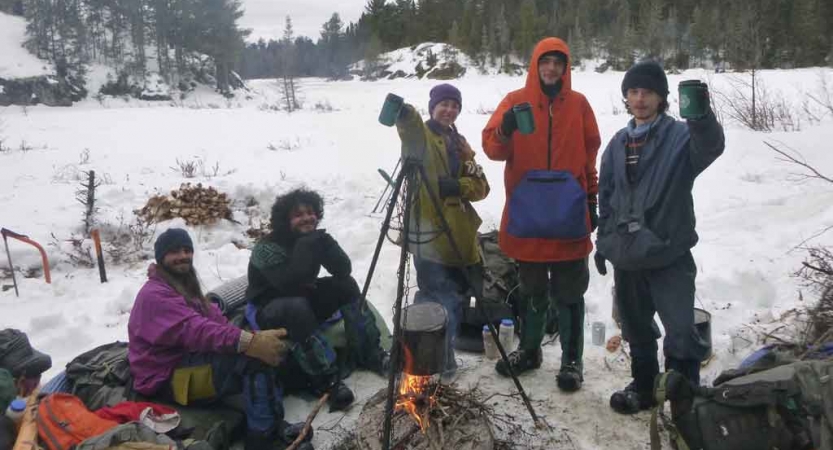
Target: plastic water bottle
x=489 y=345
x=15 y=410
x=507 y=335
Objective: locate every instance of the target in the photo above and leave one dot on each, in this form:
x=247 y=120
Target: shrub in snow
x=155 y=88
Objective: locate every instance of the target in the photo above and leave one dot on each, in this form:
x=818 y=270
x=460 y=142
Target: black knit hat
x=646 y=75
x=171 y=239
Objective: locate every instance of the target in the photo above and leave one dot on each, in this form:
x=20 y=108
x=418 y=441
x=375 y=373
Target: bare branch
x=799 y=161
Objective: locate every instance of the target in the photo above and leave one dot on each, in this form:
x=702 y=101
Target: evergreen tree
x=529 y=31
x=331 y=45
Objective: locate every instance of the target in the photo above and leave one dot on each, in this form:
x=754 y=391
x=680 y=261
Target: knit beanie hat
x=646 y=75
x=442 y=92
x=171 y=239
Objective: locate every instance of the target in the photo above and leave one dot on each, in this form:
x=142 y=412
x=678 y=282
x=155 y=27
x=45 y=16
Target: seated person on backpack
x=285 y=292
x=181 y=348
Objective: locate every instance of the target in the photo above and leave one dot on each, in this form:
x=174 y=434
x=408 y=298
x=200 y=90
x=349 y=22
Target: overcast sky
x=266 y=18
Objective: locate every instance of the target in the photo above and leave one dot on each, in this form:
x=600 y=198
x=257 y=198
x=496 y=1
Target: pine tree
x=809 y=39
x=331 y=45
x=528 y=33
x=288 y=67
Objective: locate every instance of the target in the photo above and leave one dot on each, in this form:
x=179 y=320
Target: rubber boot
x=571 y=325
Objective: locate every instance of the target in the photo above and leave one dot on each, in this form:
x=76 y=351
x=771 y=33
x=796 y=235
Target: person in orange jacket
x=551 y=185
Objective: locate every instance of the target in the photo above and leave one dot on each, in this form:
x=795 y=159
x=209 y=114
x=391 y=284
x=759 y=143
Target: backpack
x=788 y=407
x=64 y=422
x=497 y=282
x=101 y=377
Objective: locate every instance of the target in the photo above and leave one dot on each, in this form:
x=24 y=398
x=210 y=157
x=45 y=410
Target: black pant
x=668 y=291
x=301 y=316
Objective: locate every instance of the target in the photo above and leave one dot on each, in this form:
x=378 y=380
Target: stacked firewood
x=198 y=205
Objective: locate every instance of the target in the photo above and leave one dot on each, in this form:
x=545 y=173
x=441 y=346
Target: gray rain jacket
x=649 y=223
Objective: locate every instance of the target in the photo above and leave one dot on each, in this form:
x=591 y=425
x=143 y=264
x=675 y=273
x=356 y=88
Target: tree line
x=740 y=34
x=176 y=38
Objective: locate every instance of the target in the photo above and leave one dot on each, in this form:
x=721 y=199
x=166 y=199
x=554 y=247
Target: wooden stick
x=27 y=436
x=308 y=424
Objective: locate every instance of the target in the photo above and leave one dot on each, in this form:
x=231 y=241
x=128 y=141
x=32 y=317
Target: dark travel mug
x=523 y=115
x=694 y=99
x=390 y=110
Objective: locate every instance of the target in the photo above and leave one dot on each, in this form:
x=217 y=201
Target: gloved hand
x=449 y=187
x=309 y=241
x=601 y=267
x=269 y=346
x=594 y=215
x=509 y=123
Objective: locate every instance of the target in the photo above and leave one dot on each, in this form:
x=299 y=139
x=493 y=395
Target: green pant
x=558 y=286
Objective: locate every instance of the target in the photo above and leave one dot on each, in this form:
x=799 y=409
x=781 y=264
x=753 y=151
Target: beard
x=185 y=282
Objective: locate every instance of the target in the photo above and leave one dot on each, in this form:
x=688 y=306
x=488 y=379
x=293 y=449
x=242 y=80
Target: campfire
x=417 y=396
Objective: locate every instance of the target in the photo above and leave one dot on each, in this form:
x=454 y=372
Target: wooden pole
x=102 y=272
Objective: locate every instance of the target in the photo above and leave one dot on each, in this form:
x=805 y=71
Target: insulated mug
x=523 y=115
x=694 y=99
x=390 y=110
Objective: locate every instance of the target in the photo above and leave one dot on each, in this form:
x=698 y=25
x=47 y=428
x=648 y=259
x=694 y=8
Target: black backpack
x=497 y=282
x=789 y=407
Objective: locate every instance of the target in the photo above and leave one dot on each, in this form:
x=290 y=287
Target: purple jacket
x=163 y=327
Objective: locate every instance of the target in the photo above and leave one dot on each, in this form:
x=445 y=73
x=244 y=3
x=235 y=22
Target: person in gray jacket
x=646 y=230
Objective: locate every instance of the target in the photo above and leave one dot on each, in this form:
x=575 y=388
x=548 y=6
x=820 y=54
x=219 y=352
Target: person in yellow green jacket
x=457 y=180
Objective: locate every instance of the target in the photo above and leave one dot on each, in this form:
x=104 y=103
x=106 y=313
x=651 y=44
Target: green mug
x=390 y=110
x=524 y=118
x=694 y=99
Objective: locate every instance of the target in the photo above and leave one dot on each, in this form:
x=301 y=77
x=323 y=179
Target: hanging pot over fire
x=423 y=338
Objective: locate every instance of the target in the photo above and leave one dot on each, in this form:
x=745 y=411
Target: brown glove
x=269 y=346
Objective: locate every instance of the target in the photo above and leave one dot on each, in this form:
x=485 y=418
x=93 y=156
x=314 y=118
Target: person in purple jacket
x=181 y=348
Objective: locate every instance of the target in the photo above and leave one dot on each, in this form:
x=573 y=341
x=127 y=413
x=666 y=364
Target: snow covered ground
x=16 y=61
x=751 y=211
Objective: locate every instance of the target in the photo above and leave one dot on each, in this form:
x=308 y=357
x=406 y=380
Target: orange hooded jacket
x=570 y=127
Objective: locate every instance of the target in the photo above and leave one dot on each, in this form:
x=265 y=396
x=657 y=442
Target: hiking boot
x=630 y=400
x=569 y=378
x=340 y=397
x=521 y=361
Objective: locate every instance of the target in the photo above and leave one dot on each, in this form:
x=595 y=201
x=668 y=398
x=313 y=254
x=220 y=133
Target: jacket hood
x=550 y=44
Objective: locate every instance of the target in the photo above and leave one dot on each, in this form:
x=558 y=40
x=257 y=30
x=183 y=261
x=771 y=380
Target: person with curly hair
x=285 y=291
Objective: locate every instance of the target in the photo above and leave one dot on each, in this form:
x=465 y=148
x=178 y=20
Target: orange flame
x=414 y=396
